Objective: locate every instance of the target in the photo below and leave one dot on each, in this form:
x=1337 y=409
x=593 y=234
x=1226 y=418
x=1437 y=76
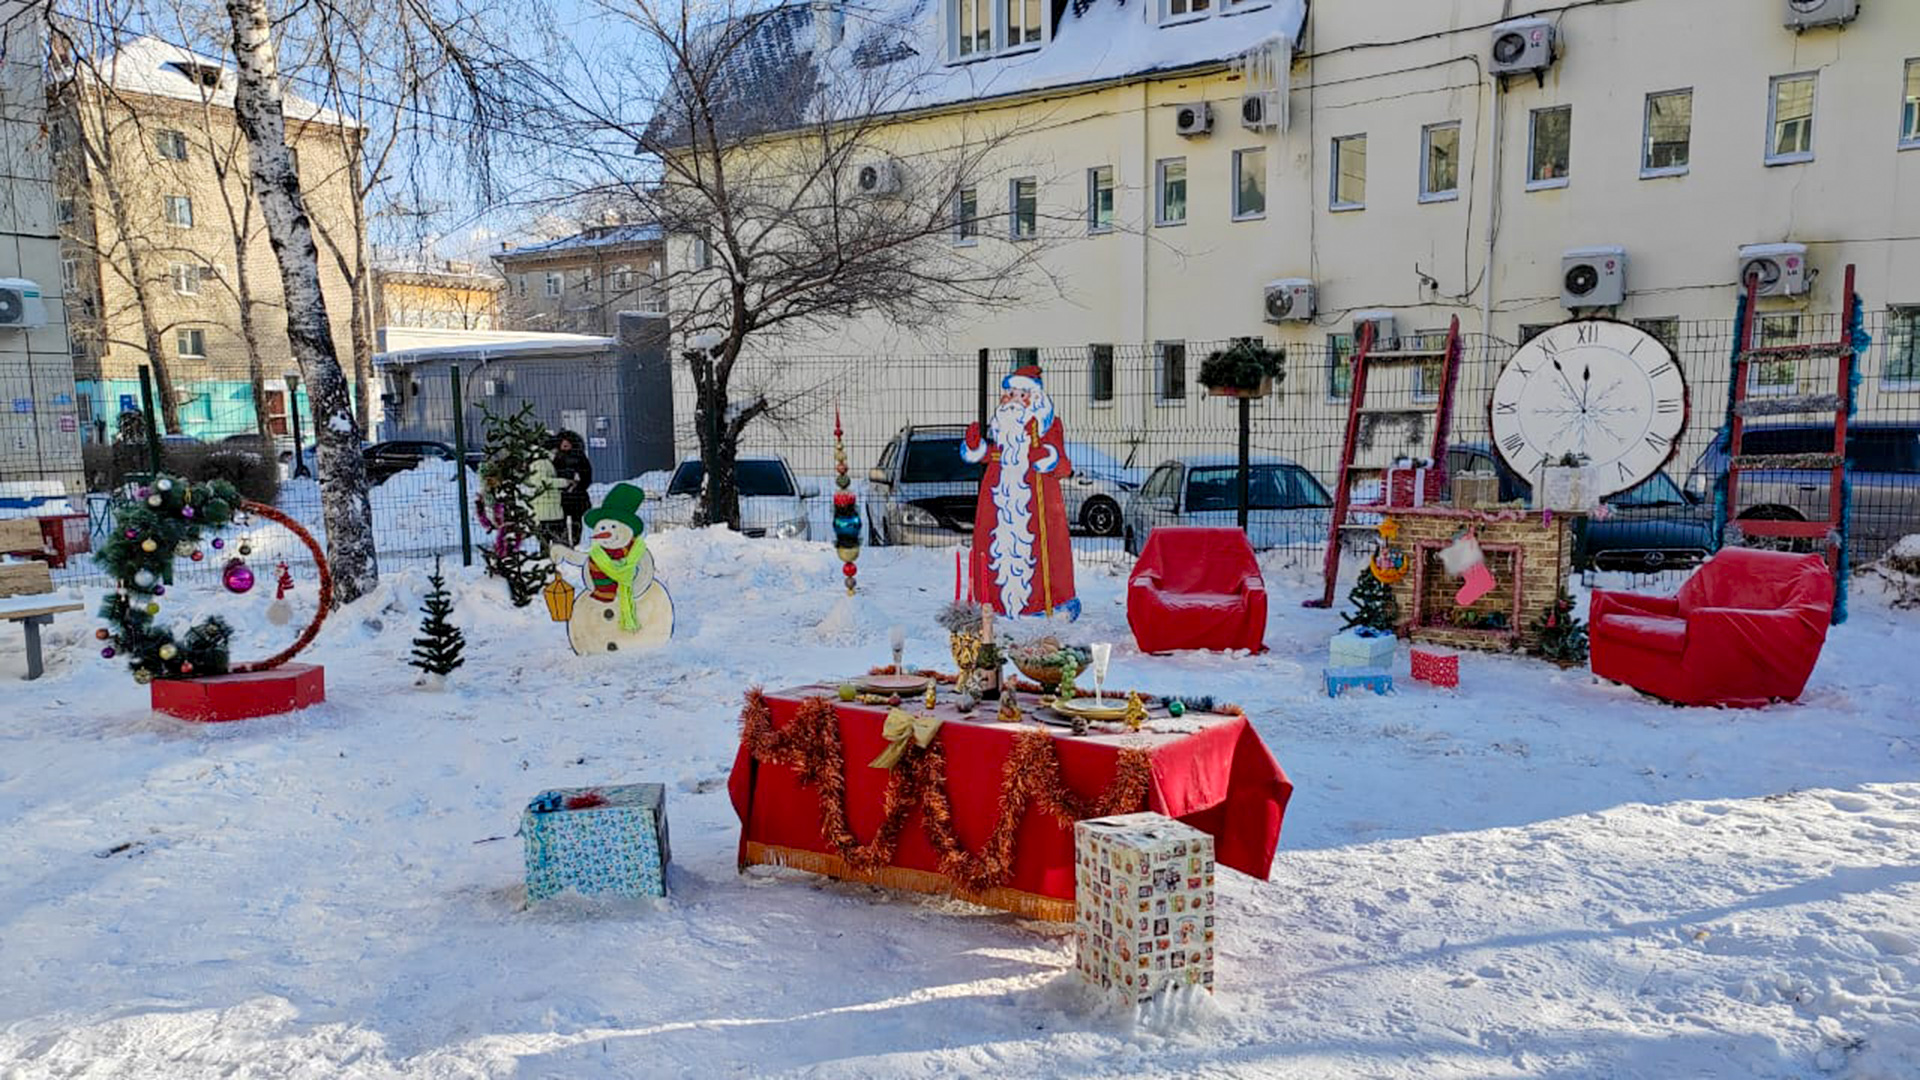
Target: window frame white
x=183 y=335
x=1160 y=364
x=1334 y=154
x=1649 y=171
x=65 y=211
x=623 y=278
x=184 y=274
x=1797 y=157
x=1549 y=183
x=556 y=284
x=998 y=33
x=1166 y=16
x=1910 y=98
x=170 y=203
x=1238 y=212
x=1436 y=195
x=966 y=222
x=702 y=252
x=1013 y=208
x=1160 y=218
x=1095 y=227
x=170 y=144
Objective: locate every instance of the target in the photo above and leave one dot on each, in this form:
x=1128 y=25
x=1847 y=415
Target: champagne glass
x=897 y=637
x=1102 y=652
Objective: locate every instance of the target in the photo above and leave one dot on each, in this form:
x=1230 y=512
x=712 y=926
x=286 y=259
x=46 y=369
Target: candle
x=956 y=575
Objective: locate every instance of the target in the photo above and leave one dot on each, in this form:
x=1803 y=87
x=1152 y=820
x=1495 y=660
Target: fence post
x=153 y=422
x=460 y=467
x=293 y=421
x=1246 y=464
x=981 y=403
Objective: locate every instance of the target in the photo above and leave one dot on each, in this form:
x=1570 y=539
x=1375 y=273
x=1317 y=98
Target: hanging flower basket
x=1264 y=389
x=1244 y=369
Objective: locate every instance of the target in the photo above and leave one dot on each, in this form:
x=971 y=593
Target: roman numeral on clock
x=1667 y=405
x=1548 y=346
x=1625 y=472
x=1586 y=334
x=1512 y=443
x=1659 y=442
x=1665 y=366
x=1506 y=408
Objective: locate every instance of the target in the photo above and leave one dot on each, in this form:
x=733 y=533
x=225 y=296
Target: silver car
x=772 y=502
x=922 y=491
x=1885 y=475
x=1286 y=506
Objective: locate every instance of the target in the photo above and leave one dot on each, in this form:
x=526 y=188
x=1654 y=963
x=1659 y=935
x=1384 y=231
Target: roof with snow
x=159 y=69
x=599 y=236
x=408 y=345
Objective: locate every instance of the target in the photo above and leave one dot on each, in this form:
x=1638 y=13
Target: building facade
x=453 y=296
x=579 y=284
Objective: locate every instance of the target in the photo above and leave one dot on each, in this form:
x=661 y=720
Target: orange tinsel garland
x=811 y=746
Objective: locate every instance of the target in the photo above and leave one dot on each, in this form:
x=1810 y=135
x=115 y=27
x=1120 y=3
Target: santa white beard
x=1011 y=552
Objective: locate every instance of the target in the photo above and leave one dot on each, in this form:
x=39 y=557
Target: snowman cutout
x=622 y=606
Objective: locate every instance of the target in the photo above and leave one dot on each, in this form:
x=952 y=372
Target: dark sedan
x=384 y=459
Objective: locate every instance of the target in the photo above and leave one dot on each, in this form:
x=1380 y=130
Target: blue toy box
x=596 y=841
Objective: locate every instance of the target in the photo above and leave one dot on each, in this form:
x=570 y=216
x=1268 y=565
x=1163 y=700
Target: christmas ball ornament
x=186 y=511
x=197 y=556
x=144 y=492
x=159 y=590
x=1176 y=707
x=843 y=500
x=186 y=667
x=143 y=578
x=102 y=634
x=143 y=676
x=218 y=543
x=153 y=608
x=183 y=549
x=163 y=484
x=148 y=545
x=168 y=652
x=237 y=577
x=848 y=570
x=107 y=652
x=246 y=548
x=155 y=500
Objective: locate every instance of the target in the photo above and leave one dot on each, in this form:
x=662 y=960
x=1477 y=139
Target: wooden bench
x=26 y=590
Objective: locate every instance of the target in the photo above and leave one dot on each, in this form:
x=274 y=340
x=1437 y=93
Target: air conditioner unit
x=1193 y=118
x=20 y=305
x=1260 y=110
x=1781 y=268
x=882 y=177
x=1385 y=338
x=1593 y=277
x=1522 y=46
x=1289 y=300
x=490 y=387
x=1802 y=14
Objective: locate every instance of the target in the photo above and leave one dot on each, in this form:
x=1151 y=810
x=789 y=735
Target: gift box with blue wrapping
x=597 y=841
x=1361 y=647
x=1340 y=680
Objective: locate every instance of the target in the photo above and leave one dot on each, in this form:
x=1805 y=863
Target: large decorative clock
x=1605 y=390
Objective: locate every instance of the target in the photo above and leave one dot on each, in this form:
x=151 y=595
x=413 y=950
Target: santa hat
x=1023 y=378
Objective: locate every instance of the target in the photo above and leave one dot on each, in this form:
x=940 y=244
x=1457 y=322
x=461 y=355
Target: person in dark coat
x=575 y=474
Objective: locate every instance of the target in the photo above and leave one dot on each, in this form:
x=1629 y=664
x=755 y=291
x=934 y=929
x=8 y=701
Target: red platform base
x=237 y=697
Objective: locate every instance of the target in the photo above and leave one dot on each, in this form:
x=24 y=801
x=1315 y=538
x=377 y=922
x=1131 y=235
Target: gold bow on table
x=901 y=726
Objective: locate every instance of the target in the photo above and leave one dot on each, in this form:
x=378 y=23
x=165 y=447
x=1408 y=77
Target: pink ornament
x=186 y=511
x=107 y=652
x=237 y=577
x=131 y=534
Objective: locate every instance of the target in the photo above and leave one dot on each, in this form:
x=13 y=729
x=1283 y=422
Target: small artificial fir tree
x=517 y=554
x=1563 y=638
x=1373 y=604
x=437 y=649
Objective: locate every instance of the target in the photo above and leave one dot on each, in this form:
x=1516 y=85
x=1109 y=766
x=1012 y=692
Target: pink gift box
x=1436 y=666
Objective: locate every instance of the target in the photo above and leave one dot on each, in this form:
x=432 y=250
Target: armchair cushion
x=1197 y=589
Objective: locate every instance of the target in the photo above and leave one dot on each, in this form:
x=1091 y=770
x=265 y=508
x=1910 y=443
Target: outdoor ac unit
x=20 y=305
x=1384 y=336
x=490 y=387
x=1802 y=14
x=1260 y=110
x=1193 y=118
x=1522 y=46
x=1593 y=277
x=1780 y=268
x=1289 y=300
x=882 y=177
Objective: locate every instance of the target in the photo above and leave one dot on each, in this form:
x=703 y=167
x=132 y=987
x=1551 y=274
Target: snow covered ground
x=1537 y=876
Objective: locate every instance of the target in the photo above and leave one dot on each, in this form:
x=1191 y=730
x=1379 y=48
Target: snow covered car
x=772 y=502
x=1286 y=506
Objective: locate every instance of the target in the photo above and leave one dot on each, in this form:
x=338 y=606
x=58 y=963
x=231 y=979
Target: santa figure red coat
x=1022 y=552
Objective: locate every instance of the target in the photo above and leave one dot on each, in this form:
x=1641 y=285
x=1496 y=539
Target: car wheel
x=1101 y=516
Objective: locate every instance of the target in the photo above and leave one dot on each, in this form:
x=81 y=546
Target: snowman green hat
x=622 y=504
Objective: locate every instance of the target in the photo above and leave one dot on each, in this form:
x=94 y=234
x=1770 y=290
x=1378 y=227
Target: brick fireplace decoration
x=1528 y=555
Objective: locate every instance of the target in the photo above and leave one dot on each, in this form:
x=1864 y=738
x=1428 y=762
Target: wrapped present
x=1568 y=489
x=1143 y=900
x=1474 y=490
x=605 y=840
x=1361 y=646
x=1414 y=485
x=1441 y=667
x=1340 y=680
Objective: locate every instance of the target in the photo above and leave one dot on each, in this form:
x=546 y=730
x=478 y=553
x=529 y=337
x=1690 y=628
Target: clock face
x=1594 y=387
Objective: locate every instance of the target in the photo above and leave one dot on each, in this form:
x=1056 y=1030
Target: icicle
x=1267 y=69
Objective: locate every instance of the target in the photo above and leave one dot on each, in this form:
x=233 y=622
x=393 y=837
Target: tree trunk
x=719 y=447
x=258 y=107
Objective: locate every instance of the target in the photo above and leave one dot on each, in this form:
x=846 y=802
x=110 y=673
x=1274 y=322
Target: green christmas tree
x=518 y=554
x=437 y=649
x=1563 y=638
x=1373 y=604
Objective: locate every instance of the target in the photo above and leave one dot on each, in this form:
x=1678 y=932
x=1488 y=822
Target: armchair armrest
x=1605 y=602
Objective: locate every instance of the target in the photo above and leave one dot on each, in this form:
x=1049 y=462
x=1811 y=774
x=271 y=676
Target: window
x=1349 y=173
x=520 y=285
x=64 y=208
x=586 y=280
x=1910 y=108
x=966 y=216
x=1339 y=366
x=1549 y=147
x=1665 y=330
x=1790 y=119
x=1669 y=134
x=1026 y=23
x=973 y=27
x=555 y=283
x=1440 y=162
x=186 y=278
x=69 y=276
x=1100 y=199
x=1182 y=10
x=179 y=211
x=1902 y=368
x=1024 y=357
x=1170 y=371
x=1170 y=202
x=1529 y=331
x=702 y=253
x=192 y=343
x=1023 y=208
x=1774 y=376
x=1249 y=184
x=979 y=28
x=622 y=278
x=1100 y=373
x=171 y=145
x=293 y=161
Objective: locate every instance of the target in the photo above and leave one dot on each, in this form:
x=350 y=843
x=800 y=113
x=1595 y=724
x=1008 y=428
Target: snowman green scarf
x=622 y=571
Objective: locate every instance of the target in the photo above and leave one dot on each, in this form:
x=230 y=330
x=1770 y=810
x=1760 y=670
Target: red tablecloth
x=1219 y=778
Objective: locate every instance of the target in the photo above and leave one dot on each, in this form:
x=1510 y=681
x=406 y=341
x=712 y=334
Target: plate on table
x=1083 y=709
x=892 y=684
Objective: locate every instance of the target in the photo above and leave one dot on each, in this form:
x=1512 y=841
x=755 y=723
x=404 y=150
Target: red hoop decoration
x=326 y=589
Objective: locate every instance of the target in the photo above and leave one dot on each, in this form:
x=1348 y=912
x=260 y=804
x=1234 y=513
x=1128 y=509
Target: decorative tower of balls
x=846 y=508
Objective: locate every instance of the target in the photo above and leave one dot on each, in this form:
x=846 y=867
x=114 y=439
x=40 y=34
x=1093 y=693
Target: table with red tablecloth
x=1209 y=770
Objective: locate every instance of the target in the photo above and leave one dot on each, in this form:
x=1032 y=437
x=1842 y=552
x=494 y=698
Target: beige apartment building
x=155 y=209
x=580 y=283
x=445 y=296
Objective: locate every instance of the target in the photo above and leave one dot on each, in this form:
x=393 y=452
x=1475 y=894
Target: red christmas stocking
x=1479 y=583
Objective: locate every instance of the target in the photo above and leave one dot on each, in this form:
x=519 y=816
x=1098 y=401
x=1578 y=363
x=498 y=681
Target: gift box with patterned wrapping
x=1475 y=490
x=604 y=840
x=1438 y=666
x=1414 y=485
x=1143 y=896
x=1361 y=646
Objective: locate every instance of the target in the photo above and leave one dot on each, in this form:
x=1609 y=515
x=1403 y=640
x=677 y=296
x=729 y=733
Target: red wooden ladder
x=1831 y=531
x=1363 y=359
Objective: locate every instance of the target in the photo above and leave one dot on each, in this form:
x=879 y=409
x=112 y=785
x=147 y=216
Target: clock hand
x=1564 y=381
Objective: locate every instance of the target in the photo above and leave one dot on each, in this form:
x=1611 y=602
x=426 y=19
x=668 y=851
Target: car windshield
x=754 y=477
x=938 y=461
x=1092 y=459
x=1656 y=490
x=1269 y=487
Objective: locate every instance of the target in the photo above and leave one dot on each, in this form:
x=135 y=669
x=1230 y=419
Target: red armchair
x=1197 y=589
x=1743 y=631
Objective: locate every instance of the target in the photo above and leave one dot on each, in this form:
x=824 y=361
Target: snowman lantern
x=622 y=606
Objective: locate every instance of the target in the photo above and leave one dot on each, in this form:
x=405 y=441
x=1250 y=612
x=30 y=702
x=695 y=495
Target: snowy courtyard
x=1536 y=875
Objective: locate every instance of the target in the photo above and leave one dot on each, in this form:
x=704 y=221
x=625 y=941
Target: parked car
x=384 y=459
x=772 y=503
x=1885 y=477
x=1651 y=526
x=923 y=491
x=1286 y=506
